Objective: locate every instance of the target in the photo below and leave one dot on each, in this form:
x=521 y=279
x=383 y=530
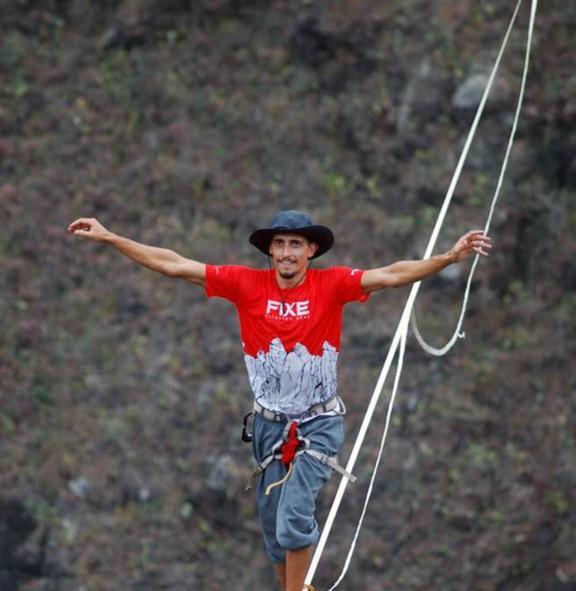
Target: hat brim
x=320 y=235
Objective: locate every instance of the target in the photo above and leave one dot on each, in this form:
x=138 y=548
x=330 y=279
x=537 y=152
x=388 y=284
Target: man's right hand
x=163 y=260
x=89 y=228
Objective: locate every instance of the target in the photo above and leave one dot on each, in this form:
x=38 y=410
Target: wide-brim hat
x=294 y=222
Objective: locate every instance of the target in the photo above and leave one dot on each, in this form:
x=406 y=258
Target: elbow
x=171 y=270
x=175 y=266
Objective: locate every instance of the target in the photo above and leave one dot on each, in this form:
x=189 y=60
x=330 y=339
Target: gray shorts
x=287 y=514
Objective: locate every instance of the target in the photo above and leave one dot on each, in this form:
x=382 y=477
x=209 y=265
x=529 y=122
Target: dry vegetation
x=187 y=124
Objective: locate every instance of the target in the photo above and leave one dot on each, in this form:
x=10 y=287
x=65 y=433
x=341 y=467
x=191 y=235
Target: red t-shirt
x=291 y=337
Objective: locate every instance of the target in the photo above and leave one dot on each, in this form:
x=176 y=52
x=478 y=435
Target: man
x=290 y=320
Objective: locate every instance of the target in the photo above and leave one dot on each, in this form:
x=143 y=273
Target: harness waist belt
x=279 y=417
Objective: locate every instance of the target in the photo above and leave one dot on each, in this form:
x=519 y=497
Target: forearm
x=157 y=259
x=406 y=272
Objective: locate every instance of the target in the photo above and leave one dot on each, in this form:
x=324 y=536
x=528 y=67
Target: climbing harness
x=334 y=403
x=293 y=444
x=399 y=340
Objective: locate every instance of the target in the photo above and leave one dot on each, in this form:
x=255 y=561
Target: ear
x=314 y=248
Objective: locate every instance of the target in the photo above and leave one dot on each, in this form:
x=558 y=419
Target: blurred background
x=186 y=124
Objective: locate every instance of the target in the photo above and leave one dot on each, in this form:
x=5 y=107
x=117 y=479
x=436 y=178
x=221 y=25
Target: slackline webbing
x=399 y=339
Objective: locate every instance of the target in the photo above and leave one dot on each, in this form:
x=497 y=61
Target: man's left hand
x=474 y=241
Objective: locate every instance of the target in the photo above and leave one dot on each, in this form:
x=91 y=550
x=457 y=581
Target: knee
x=295 y=531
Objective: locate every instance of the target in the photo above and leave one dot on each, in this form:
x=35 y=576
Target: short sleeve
x=224 y=281
x=346 y=284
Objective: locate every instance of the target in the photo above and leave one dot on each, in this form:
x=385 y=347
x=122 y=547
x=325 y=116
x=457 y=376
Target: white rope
x=399 y=339
x=399 y=365
x=457 y=334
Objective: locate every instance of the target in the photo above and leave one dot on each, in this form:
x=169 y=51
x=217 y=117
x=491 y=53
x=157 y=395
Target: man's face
x=290 y=253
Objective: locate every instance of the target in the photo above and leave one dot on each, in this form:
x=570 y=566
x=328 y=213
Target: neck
x=285 y=283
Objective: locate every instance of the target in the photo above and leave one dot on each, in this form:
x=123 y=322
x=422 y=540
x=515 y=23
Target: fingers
x=476 y=241
x=475 y=234
x=88 y=228
x=81 y=224
x=481 y=245
x=80 y=221
x=82 y=233
x=480 y=251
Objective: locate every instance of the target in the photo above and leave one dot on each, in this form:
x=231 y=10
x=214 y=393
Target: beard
x=287 y=274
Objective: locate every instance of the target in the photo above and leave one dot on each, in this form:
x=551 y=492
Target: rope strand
x=457 y=331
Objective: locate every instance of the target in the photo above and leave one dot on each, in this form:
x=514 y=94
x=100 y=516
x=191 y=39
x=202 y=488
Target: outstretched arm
x=406 y=272
x=162 y=260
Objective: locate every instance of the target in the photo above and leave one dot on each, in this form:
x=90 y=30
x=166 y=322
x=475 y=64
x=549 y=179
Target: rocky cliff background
x=187 y=124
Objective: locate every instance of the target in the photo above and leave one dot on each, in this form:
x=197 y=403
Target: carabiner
x=247 y=435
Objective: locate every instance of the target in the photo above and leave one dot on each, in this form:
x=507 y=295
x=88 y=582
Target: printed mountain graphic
x=292 y=382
